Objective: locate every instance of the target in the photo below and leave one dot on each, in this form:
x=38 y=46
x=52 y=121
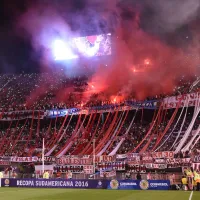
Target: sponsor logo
x=114 y=184
x=144 y=185
x=7 y=182
x=100 y=183
x=159 y=185
x=128 y=184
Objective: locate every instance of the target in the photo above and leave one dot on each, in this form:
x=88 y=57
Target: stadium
x=99 y=99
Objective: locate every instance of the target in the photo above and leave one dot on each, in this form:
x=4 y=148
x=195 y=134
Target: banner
x=23 y=159
x=137 y=168
x=121 y=156
x=197 y=159
x=20 y=115
x=118 y=166
x=88 y=169
x=4 y=162
x=139 y=185
x=179 y=162
x=47 y=159
x=147 y=159
x=160 y=161
x=70 y=160
x=87 y=184
x=156 y=166
x=135 y=157
x=54 y=183
x=153 y=104
x=75 y=169
x=62 y=113
x=165 y=154
x=172 y=102
x=105 y=158
x=107 y=174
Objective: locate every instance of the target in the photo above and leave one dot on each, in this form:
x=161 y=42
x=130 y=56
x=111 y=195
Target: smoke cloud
x=142 y=64
x=170 y=15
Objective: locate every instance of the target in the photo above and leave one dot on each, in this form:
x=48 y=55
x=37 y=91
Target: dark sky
x=17 y=53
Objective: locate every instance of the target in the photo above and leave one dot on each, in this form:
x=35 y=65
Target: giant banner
x=139 y=185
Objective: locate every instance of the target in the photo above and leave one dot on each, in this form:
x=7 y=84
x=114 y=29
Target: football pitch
x=74 y=194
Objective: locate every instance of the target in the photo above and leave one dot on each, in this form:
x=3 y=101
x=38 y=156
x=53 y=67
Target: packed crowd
x=56 y=91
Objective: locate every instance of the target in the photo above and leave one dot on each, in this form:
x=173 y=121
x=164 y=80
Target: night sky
x=17 y=53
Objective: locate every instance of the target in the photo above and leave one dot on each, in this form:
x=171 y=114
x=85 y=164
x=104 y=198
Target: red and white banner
x=47 y=159
x=156 y=166
x=165 y=154
x=23 y=159
x=160 y=161
x=137 y=168
x=88 y=169
x=121 y=156
x=70 y=160
x=179 y=162
x=105 y=158
x=133 y=157
x=147 y=159
x=172 y=102
x=118 y=166
x=197 y=159
x=108 y=174
x=4 y=162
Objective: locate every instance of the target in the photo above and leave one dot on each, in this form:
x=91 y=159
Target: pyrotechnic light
x=147 y=62
x=61 y=51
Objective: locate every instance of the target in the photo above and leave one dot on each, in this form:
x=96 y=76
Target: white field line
x=190 y=198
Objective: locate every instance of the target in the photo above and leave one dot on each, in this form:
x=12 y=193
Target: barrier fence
x=88 y=184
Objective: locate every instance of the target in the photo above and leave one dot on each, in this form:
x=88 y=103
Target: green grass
x=70 y=194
